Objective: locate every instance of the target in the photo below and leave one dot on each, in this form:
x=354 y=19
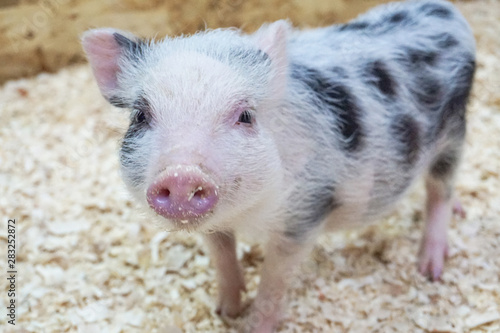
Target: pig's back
x=388 y=32
x=392 y=85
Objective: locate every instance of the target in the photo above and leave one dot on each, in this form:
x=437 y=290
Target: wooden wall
x=44 y=35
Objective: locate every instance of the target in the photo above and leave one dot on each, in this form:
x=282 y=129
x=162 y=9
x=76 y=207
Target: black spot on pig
x=129 y=155
x=140 y=103
x=428 y=92
x=338 y=72
x=456 y=100
x=405 y=130
x=445 y=40
x=336 y=97
x=354 y=26
x=437 y=10
x=134 y=48
x=463 y=85
x=445 y=164
x=398 y=17
x=387 y=24
x=250 y=56
x=421 y=57
x=315 y=208
x=379 y=76
x=119 y=102
x=349 y=119
x=325 y=202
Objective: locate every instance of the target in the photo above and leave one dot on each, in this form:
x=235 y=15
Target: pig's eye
x=245 y=117
x=140 y=113
x=139 y=117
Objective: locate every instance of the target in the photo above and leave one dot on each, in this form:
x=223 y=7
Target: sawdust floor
x=89 y=262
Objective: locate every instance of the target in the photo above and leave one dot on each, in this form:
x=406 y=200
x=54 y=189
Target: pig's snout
x=182 y=193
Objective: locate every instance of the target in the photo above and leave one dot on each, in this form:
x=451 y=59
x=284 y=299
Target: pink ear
x=272 y=39
x=104 y=52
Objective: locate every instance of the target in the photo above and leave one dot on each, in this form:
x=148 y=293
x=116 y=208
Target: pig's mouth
x=184 y=195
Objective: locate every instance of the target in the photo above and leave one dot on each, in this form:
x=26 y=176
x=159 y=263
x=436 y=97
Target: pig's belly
x=364 y=202
x=357 y=215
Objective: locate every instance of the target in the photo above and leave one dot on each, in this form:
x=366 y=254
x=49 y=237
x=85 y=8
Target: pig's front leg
x=282 y=258
x=229 y=273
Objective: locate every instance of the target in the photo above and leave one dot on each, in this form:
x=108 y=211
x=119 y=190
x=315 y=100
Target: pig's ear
x=272 y=39
x=107 y=49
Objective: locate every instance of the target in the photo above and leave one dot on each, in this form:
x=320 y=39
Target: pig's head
x=198 y=151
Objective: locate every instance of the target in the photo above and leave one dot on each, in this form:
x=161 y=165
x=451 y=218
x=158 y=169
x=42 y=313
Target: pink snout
x=182 y=193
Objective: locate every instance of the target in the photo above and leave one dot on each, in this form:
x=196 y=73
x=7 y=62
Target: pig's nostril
x=163 y=195
x=198 y=194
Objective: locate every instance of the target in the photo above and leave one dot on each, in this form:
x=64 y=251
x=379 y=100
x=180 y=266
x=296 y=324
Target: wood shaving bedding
x=88 y=261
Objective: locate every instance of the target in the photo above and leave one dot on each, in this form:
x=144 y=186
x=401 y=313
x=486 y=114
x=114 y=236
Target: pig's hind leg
x=440 y=206
x=440 y=201
x=230 y=277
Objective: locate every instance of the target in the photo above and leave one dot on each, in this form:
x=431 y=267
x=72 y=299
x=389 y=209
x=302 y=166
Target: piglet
x=283 y=134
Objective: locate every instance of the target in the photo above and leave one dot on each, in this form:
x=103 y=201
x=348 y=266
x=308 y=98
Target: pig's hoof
x=229 y=307
x=433 y=254
x=232 y=311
